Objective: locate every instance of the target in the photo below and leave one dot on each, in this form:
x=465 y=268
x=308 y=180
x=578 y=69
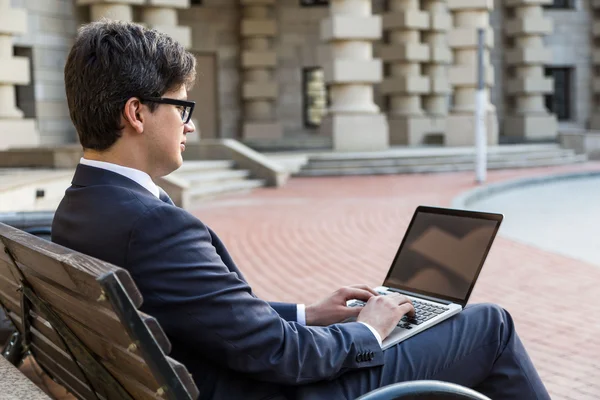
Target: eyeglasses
x=186 y=107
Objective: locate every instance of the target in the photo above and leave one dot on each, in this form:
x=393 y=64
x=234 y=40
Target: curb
x=465 y=200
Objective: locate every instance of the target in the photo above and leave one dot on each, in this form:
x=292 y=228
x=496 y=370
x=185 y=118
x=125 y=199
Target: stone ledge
x=586 y=142
x=41 y=157
x=13 y=21
x=341 y=27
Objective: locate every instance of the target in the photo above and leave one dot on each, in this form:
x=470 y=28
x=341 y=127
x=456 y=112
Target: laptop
x=437 y=265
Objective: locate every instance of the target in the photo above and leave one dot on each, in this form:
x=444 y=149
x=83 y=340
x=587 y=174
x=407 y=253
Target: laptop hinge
x=420 y=296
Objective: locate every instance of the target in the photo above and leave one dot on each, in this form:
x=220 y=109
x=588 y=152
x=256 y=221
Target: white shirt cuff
x=377 y=335
x=301 y=314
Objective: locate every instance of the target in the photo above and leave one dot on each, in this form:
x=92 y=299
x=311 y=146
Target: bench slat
x=64 y=377
x=72 y=270
x=109 y=352
x=112 y=357
x=135 y=389
x=71 y=284
x=100 y=320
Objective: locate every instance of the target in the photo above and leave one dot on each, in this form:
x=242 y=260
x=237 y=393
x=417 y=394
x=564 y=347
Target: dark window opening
x=561 y=4
x=559 y=102
x=25 y=94
x=314 y=3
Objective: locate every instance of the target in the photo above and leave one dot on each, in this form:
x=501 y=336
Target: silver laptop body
x=437 y=265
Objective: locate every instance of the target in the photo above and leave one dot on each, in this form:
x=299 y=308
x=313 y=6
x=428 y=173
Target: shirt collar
x=135 y=175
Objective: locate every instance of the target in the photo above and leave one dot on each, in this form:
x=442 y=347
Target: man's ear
x=133 y=114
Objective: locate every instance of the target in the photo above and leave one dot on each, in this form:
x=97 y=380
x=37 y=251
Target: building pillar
x=405 y=84
x=353 y=120
x=120 y=10
x=595 y=117
x=527 y=116
x=15 y=131
x=258 y=63
x=440 y=57
x=162 y=16
x=468 y=16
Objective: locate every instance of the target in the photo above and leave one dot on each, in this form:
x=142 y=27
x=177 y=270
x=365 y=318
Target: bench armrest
x=400 y=390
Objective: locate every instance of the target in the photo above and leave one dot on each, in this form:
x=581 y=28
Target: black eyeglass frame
x=174 y=102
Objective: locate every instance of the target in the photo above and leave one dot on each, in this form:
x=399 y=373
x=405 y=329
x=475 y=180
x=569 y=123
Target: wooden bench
x=68 y=306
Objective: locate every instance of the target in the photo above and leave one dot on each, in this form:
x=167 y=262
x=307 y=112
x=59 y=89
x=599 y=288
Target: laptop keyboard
x=423 y=312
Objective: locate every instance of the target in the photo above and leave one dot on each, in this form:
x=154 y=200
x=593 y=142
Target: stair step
x=435 y=168
x=190 y=166
x=209 y=190
x=392 y=162
x=205 y=176
x=424 y=152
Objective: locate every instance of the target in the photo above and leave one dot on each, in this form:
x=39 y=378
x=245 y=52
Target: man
x=126 y=89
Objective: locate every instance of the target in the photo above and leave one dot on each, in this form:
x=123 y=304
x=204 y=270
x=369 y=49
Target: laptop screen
x=442 y=253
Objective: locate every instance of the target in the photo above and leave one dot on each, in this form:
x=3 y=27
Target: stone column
x=113 y=9
x=468 y=16
x=258 y=62
x=595 y=117
x=15 y=131
x=405 y=83
x=353 y=120
x=527 y=116
x=436 y=101
x=162 y=16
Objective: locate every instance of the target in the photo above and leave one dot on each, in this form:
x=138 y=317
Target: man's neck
x=113 y=157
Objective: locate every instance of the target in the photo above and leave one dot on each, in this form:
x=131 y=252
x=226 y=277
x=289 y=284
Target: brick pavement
x=301 y=242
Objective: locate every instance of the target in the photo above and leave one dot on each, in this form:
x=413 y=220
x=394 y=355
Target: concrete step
x=432 y=160
x=438 y=168
x=199 y=177
x=202 y=192
x=423 y=152
x=194 y=166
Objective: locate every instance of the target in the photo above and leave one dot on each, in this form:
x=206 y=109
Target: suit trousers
x=478 y=348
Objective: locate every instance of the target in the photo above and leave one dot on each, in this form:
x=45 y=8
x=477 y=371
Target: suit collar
x=86 y=175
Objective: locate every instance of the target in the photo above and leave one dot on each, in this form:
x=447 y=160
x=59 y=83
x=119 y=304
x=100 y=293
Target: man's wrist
x=374 y=331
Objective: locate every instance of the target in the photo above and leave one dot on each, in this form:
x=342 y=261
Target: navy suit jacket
x=234 y=344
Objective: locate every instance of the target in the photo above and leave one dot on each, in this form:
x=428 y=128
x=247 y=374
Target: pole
x=480 y=108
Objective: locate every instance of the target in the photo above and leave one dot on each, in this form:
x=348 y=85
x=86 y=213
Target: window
x=314 y=3
x=25 y=94
x=561 y=4
x=559 y=102
x=314 y=96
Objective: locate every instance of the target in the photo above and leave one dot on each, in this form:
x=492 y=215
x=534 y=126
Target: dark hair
x=112 y=61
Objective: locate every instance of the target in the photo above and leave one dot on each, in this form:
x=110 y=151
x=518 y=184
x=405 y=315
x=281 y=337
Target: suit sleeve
x=287 y=311
x=204 y=305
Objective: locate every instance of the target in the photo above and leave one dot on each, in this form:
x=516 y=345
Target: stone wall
x=215 y=29
x=571 y=44
x=52 y=25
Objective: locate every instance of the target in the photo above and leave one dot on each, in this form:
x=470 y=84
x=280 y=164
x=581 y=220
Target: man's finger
x=400 y=298
x=407 y=308
x=366 y=287
x=351 y=293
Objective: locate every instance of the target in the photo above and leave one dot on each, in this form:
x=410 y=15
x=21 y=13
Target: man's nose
x=189 y=127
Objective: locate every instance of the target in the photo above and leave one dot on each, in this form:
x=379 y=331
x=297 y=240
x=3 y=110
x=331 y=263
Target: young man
x=126 y=88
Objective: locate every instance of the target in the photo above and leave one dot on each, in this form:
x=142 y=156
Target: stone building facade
x=365 y=73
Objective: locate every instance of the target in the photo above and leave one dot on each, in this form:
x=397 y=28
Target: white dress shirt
x=144 y=180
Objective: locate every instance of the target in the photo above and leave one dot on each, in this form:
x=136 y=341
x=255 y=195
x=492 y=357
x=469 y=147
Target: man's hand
x=333 y=309
x=384 y=312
